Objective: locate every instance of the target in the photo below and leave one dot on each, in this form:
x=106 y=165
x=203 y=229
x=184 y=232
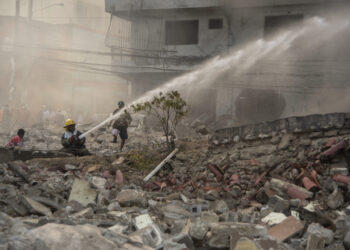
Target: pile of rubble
x=245 y=188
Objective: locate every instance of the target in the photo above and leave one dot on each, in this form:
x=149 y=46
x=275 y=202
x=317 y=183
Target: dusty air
x=171 y=124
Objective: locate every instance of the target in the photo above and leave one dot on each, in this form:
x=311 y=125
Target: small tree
x=169 y=109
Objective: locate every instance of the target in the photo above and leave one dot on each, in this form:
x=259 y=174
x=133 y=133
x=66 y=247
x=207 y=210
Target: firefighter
x=71 y=141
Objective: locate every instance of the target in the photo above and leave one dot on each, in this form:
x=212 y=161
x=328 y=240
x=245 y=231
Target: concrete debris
x=131 y=197
x=149 y=235
x=320 y=231
x=335 y=200
x=274 y=218
x=245 y=243
x=57 y=236
x=347 y=241
x=278 y=204
x=82 y=193
x=315 y=242
x=198 y=229
x=253 y=187
x=36 y=207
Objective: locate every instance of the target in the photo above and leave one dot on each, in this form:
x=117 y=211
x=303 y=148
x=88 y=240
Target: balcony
x=113 y=6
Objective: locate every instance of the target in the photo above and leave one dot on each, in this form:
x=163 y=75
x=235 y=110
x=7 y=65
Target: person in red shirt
x=17 y=140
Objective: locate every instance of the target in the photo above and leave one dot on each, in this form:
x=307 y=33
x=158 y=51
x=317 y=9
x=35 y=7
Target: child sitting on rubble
x=17 y=141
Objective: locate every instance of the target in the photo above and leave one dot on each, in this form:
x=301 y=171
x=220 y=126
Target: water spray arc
x=238 y=61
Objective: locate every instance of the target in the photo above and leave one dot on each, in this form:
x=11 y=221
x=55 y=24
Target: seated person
x=71 y=141
x=17 y=140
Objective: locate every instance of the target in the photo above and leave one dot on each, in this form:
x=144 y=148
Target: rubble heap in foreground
x=277 y=185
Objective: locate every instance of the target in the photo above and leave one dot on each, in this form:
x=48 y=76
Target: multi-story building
x=160 y=39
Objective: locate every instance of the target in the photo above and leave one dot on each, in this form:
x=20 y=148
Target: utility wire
x=94 y=52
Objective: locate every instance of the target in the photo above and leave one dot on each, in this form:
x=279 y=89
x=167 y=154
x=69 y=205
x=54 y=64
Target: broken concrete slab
x=87 y=212
x=131 y=197
x=98 y=182
x=82 y=193
x=246 y=244
x=183 y=239
x=286 y=229
x=59 y=236
x=220 y=233
x=36 y=207
x=274 y=218
x=142 y=221
x=197 y=209
x=335 y=200
x=324 y=233
x=315 y=242
x=198 y=229
x=278 y=204
x=176 y=212
x=209 y=217
x=346 y=241
x=221 y=207
x=150 y=235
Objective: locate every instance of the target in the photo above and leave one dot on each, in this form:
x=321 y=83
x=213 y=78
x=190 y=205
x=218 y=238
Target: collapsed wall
x=325 y=125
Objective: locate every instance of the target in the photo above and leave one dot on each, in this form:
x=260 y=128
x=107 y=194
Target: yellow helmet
x=69 y=122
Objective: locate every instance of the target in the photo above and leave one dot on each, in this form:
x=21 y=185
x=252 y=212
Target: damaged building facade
x=157 y=40
x=53 y=55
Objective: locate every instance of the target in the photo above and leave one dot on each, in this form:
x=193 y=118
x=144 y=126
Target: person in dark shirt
x=115 y=131
x=121 y=124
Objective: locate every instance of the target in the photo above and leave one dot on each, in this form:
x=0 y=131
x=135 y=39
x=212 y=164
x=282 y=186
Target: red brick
x=286 y=229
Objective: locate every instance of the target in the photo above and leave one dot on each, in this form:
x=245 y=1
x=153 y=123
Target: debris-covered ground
x=287 y=187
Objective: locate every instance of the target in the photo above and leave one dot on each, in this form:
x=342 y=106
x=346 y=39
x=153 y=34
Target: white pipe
x=110 y=118
x=149 y=176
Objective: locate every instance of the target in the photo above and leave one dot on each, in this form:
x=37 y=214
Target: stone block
x=59 y=236
x=315 y=242
x=346 y=241
x=36 y=207
x=131 y=197
x=198 y=229
x=278 y=204
x=320 y=231
x=176 y=212
x=209 y=217
x=82 y=193
x=335 y=200
x=142 y=221
x=221 y=207
x=197 y=209
x=222 y=233
x=246 y=244
x=274 y=218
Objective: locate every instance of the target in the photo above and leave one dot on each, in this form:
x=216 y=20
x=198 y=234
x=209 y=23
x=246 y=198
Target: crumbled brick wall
x=338 y=123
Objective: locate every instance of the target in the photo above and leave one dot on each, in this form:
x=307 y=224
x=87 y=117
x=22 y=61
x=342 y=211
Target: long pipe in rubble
x=110 y=118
